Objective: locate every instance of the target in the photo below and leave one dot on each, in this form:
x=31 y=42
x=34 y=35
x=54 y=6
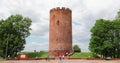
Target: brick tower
x=60 y=35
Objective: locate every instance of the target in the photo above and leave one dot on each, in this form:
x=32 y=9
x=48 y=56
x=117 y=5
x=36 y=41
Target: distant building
x=60 y=35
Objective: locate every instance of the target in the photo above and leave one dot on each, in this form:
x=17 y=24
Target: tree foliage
x=13 y=32
x=76 y=48
x=105 y=37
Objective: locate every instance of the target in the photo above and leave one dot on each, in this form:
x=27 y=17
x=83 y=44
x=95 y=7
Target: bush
x=76 y=48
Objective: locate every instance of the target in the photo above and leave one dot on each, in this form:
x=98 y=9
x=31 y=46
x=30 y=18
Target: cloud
x=38 y=46
x=84 y=15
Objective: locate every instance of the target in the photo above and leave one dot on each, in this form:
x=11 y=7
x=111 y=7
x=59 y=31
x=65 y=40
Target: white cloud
x=38 y=46
x=84 y=14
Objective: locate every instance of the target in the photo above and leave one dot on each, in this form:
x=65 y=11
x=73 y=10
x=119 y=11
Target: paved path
x=63 y=61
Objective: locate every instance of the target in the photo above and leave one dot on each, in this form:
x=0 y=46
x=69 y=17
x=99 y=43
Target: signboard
x=22 y=56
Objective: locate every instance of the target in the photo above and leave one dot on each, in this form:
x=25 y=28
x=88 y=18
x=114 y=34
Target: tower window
x=57 y=39
x=58 y=22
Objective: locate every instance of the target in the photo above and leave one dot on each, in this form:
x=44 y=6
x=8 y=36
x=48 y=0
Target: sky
x=84 y=15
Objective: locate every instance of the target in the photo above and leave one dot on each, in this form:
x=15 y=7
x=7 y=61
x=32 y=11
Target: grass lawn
x=37 y=54
x=43 y=54
x=75 y=55
x=84 y=55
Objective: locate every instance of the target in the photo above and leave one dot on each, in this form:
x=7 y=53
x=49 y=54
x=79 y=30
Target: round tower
x=60 y=35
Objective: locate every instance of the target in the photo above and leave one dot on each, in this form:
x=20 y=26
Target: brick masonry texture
x=60 y=35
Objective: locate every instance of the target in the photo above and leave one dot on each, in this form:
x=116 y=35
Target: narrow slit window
x=58 y=22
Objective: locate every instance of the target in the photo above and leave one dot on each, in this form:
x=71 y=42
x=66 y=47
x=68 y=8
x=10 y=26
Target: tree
x=76 y=48
x=105 y=37
x=99 y=37
x=1 y=53
x=13 y=32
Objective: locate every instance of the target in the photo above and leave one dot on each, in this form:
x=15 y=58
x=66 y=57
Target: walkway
x=63 y=61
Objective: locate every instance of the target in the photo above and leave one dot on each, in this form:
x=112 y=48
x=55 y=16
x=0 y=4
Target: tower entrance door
x=61 y=53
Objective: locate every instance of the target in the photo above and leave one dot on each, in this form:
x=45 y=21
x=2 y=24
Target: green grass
x=84 y=55
x=75 y=55
x=43 y=54
x=37 y=54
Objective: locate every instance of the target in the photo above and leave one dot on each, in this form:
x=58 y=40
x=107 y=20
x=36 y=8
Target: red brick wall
x=25 y=58
x=60 y=35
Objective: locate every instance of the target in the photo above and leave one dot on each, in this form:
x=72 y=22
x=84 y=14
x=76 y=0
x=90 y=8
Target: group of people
x=61 y=57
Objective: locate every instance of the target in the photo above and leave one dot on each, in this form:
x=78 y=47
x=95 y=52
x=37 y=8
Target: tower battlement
x=60 y=9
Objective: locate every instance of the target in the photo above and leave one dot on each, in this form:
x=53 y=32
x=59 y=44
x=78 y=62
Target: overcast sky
x=84 y=15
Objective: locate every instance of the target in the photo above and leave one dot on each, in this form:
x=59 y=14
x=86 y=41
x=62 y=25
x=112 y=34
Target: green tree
x=1 y=53
x=99 y=32
x=13 y=32
x=76 y=48
x=116 y=36
x=105 y=37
